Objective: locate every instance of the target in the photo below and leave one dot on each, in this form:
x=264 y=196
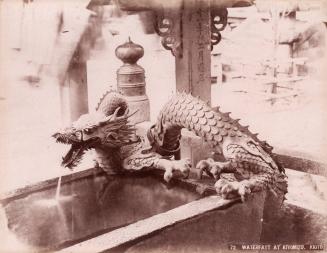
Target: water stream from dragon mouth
x=57 y=199
x=58 y=189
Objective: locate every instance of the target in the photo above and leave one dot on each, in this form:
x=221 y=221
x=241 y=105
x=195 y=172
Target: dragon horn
x=126 y=112
x=110 y=117
x=114 y=115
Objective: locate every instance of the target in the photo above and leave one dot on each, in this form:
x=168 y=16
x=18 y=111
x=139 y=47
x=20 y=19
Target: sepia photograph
x=151 y=126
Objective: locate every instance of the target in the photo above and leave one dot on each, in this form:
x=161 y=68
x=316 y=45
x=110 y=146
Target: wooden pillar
x=275 y=25
x=73 y=93
x=77 y=81
x=193 y=66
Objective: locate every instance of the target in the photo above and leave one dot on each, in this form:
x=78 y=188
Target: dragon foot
x=231 y=189
x=183 y=165
x=212 y=168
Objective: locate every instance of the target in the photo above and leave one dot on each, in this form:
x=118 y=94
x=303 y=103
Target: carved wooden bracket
x=168 y=25
x=218 y=23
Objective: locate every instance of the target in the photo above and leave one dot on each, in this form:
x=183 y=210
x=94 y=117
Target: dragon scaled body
x=249 y=163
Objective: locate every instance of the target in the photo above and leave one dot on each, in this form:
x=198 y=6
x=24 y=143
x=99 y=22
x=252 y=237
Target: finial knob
x=129 y=52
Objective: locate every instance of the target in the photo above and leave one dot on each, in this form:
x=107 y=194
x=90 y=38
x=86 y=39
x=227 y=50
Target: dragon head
x=95 y=130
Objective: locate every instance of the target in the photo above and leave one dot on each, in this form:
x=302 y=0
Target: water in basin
x=89 y=207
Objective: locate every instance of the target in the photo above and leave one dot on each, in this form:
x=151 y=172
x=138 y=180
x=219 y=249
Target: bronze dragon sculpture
x=249 y=163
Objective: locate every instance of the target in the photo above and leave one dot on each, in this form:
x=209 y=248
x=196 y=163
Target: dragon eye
x=79 y=135
x=88 y=130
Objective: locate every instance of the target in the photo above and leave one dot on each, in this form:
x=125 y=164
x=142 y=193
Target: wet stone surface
x=241 y=224
x=89 y=207
x=294 y=225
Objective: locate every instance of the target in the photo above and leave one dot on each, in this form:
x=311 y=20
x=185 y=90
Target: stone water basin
x=88 y=207
x=139 y=213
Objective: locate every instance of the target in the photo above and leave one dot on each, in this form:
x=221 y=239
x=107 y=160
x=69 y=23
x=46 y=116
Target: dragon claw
x=183 y=165
x=210 y=167
x=168 y=175
x=229 y=190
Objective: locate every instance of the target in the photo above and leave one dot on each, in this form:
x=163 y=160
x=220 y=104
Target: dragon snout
x=56 y=135
x=62 y=138
x=59 y=137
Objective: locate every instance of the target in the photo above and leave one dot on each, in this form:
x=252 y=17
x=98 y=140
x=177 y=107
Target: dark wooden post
x=73 y=91
x=193 y=65
x=78 y=96
x=190 y=29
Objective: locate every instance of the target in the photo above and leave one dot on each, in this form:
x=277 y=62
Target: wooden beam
x=301 y=164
